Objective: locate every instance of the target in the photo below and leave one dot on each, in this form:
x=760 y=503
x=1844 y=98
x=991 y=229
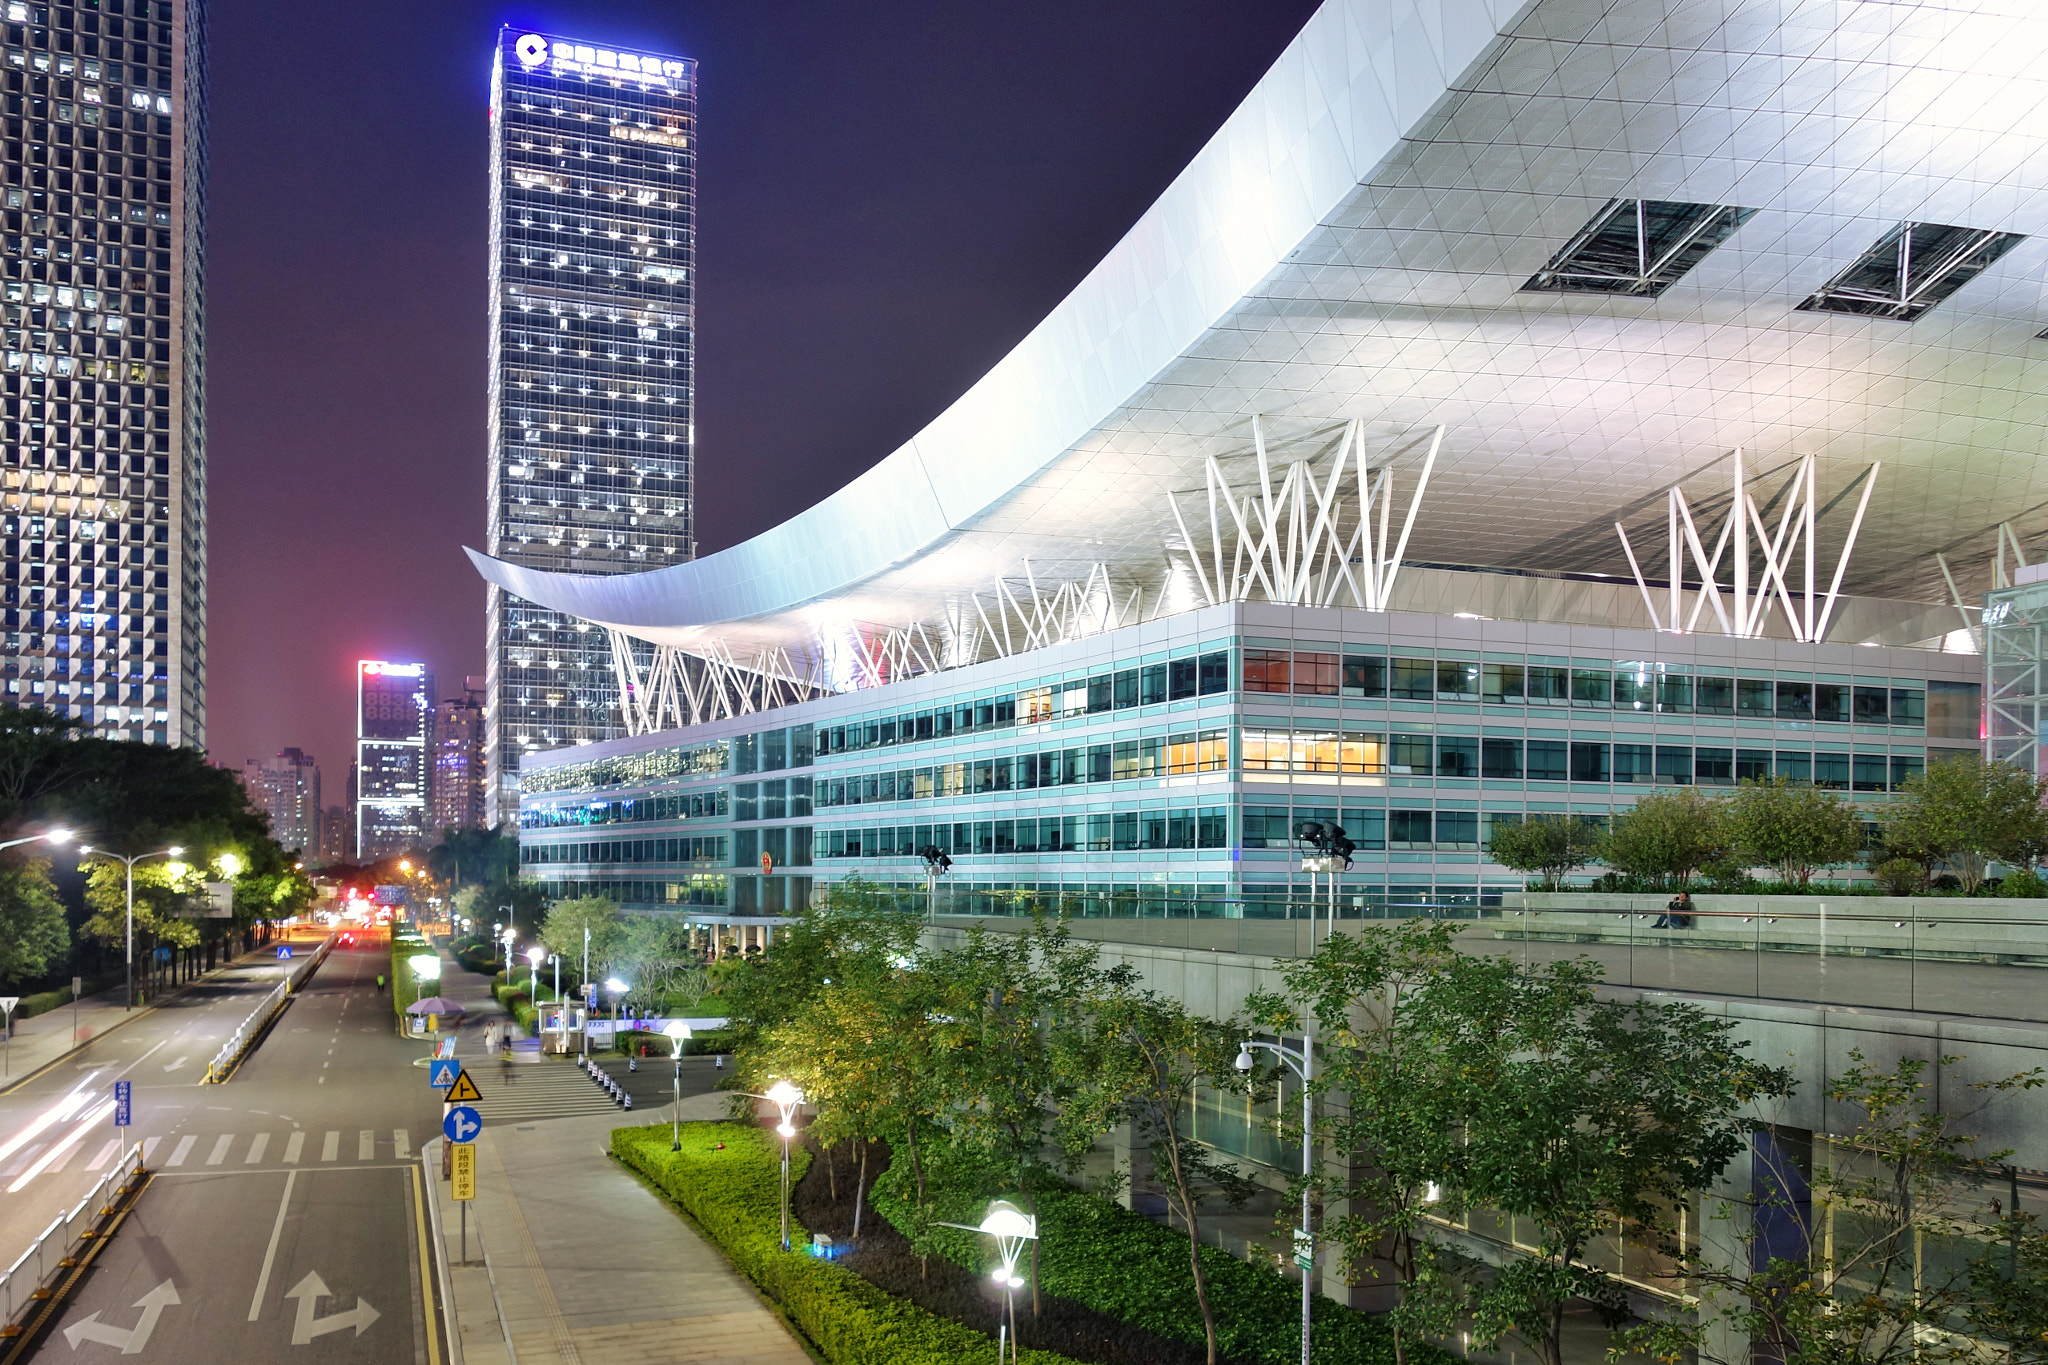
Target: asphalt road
x=282 y=1221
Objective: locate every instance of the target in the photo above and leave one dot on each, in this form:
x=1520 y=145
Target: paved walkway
x=572 y=1260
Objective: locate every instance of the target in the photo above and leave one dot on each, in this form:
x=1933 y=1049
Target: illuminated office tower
x=591 y=332
x=103 y=446
x=394 y=719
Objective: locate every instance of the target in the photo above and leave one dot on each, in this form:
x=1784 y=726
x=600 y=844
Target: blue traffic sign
x=442 y=1071
x=462 y=1124
x=284 y=950
x=122 y=1090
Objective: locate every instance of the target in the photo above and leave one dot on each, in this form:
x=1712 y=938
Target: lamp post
x=1012 y=1228
x=425 y=967
x=617 y=988
x=1301 y=1061
x=129 y=861
x=584 y=989
x=533 y=957
x=788 y=1099
x=678 y=1033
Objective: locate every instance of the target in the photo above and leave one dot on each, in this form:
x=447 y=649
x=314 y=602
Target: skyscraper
x=394 y=714
x=287 y=789
x=591 y=424
x=455 y=796
x=104 y=504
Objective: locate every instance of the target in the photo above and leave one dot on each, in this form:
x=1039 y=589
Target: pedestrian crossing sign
x=464 y=1090
x=442 y=1071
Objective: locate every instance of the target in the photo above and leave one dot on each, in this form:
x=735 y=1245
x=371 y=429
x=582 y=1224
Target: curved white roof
x=1353 y=244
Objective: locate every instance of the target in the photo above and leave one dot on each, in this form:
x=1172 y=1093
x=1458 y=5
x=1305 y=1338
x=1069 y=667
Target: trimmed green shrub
x=1125 y=1266
x=735 y=1197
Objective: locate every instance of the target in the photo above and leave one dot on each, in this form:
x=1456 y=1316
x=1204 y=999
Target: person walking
x=380 y=983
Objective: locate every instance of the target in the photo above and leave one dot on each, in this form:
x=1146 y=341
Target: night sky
x=890 y=195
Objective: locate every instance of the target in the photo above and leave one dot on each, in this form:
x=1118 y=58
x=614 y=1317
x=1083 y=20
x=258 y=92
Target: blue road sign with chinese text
x=122 y=1089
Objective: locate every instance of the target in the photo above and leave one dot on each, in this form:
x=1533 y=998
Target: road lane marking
x=182 y=1150
x=402 y=1142
x=64 y=1146
x=256 y=1149
x=149 y=1149
x=173 y=1066
x=28 y=1154
x=330 y=1146
x=293 y=1145
x=105 y=1154
x=270 y=1253
x=366 y=1145
x=220 y=1150
x=426 y=1262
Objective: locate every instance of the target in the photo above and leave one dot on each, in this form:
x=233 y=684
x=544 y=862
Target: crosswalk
x=531 y=1091
x=227 y=1150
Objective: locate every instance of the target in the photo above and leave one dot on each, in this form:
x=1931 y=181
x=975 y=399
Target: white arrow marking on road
x=310 y=1291
x=131 y=1340
x=173 y=1066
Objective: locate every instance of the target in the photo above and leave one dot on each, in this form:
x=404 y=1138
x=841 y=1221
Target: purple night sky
x=889 y=196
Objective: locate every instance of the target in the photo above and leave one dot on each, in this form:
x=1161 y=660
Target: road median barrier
x=34 y=1288
x=250 y=1031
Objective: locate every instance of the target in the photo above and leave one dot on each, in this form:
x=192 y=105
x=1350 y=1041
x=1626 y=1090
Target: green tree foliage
x=1796 y=828
x=655 y=956
x=473 y=857
x=33 y=934
x=564 y=928
x=1576 y=1112
x=1398 y=1118
x=162 y=890
x=1138 y=1056
x=1552 y=846
x=1667 y=836
x=1920 y=1263
x=1963 y=812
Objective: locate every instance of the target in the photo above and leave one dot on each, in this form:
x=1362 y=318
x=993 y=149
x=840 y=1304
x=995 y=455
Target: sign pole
x=7 y=1004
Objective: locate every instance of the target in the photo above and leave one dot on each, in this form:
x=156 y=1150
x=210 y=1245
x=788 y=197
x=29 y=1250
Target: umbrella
x=434 y=1004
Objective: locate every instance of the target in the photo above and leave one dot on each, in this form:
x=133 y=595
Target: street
x=282 y=1218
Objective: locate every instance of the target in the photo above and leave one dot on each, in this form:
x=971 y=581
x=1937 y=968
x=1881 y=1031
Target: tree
x=1577 y=1112
x=39 y=753
x=1796 y=829
x=1139 y=1055
x=1667 y=836
x=161 y=891
x=1549 y=845
x=1397 y=1122
x=474 y=856
x=1964 y=812
x=1892 y=1280
x=33 y=934
x=656 y=956
x=563 y=933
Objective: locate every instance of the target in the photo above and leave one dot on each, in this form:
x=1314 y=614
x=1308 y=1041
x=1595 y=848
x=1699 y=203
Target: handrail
x=249 y=1030
x=27 y=1282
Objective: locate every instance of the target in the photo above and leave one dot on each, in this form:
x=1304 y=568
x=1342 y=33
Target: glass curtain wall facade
x=592 y=326
x=103 y=507
x=394 y=724
x=1162 y=769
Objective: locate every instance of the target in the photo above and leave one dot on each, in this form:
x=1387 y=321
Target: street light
x=617 y=988
x=425 y=967
x=129 y=861
x=1012 y=1228
x=55 y=836
x=533 y=956
x=678 y=1033
x=787 y=1098
x=1301 y=1061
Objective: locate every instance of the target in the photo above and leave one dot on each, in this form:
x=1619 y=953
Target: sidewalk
x=572 y=1260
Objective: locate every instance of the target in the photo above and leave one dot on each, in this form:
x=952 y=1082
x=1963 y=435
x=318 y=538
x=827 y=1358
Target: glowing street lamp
x=1012 y=1228
x=533 y=956
x=788 y=1099
x=678 y=1033
x=425 y=967
x=129 y=861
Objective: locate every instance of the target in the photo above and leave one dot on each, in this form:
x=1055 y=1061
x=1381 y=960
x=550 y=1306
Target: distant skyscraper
x=104 y=508
x=394 y=710
x=337 y=836
x=287 y=789
x=592 y=422
x=455 y=796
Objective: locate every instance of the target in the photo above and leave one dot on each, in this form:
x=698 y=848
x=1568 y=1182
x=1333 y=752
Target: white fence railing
x=250 y=1029
x=27 y=1282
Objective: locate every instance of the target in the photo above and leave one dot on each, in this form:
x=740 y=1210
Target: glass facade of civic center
x=592 y=326
x=1161 y=769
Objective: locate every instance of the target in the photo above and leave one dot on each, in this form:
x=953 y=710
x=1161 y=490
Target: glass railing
x=1978 y=959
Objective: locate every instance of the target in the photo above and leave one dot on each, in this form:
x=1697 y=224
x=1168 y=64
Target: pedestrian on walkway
x=380 y=983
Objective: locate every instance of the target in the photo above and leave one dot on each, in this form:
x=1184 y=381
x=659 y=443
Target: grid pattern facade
x=1167 y=765
x=394 y=727
x=103 y=448
x=592 y=328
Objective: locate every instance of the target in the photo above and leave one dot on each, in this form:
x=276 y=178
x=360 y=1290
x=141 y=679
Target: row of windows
x=1117 y=831
x=698 y=805
x=1556 y=760
x=1642 y=687
x=1157 y=756
x=707 y=849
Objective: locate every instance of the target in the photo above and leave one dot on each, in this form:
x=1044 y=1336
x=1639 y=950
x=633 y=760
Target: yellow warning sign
x=462 y=1171
x=464 y=1090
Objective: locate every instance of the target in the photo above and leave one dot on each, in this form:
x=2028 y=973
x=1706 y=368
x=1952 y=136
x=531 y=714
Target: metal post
x=129 y=937
x=1307 y=1154
x=465 y=1233
x=676 y=1141
x=785 y=1190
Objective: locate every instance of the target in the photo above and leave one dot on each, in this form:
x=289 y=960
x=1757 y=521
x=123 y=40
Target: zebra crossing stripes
x=531 y=1091
x=369 y=1147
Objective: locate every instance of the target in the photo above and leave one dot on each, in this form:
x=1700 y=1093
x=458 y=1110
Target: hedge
x=735 y=1197
x=1127 y=1267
